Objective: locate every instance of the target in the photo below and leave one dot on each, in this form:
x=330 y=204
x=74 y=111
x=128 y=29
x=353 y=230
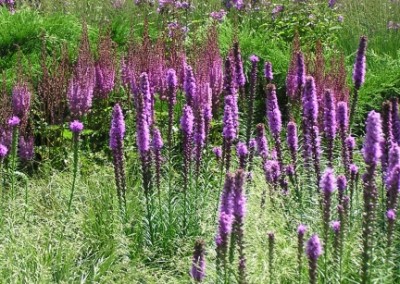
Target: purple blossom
x=291 y=138
x=105 y=78
x=198 y=269
x=359 y=65
x=268 y=73
x=272 y=171
x=350 y=143
x=217 y=152
x=241 y=149
x=277 y=10
x=328 y=182
x=290 y=170
x=262 y=143
x=300 y=70
x=310 y=103
x=273 y=113
x=14 y=121
x=117 y=130
x=26 y=148
x=336 y=226
x=81 y=88
x=3 y=151
x=301 y=229
x=254 y=58
x=372 y=151
x=341 y=183
x=329 y=115
x=239 y=198
x=157 y=141
x=342 y=115
x=240 y=78
x=189 y=85
x=314 y=247
x=187 y=120
x=391 y=215
x=229 y=129
x=353 y=169
x=76 y=126
x=331 y=3
x=219 y=16
x=21 y=100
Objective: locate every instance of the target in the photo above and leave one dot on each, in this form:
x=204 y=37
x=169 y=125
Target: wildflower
x=313 y=252
x=198 y=263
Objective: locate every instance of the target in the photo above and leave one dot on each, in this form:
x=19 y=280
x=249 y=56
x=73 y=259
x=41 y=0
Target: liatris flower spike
x=313 y=252
x=198 y=270
x=14 y=122
x=117 y=133
x=76 y=127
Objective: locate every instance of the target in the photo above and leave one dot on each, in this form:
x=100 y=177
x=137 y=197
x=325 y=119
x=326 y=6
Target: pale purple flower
x=76 y=126
x=314 y=247
x=117 y=130
x=14 y=121
x=3 y=151
x=360 y=64
x=372 y=150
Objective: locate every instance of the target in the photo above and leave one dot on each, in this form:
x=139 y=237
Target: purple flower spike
x=3 y=151
x=241 y=149
x=359 y=65
x=199 y=262
x=328 y=182
x=268 y=73
x=26 y=149
x=314 y=247
x=262 y=143
x=329 y=115
x=353 y=169
x=341 y=182
x=301 y=229
x=117 y=130
x=310 y=103
x=273 y=113
x=217 y=152
x=157 y=141
x=76 y=126
x=172 y=83
x=14 y=121
x=342 y=115
x=272 y=171
x=372 y=151
x=336 y=226
x=351 y=143
x=189 y=85
x=21 y=100
x=391 y=215
x=254 y=58
x=187 y=120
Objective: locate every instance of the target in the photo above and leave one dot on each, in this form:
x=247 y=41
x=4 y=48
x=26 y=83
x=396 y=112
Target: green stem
x=14 y=159
x=75 y=170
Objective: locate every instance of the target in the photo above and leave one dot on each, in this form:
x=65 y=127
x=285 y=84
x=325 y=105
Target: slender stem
x=75 y=170
x=14 y=159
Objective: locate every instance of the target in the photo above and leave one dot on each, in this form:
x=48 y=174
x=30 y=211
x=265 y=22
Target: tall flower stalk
x=275 y=120
x=301 y=230
x=117 y=133
x=271 y=256
x=239 y=212
x=143 y=122
x=372 y=153
x=225 y=219
x=343 y=124
x=328 y=186
x=3 y=154
x=253 y=86
x=313 y=252
x=76 y=127
x=329 y=123
x=14 y=123
x=186 y=124
x=198 y=270
x=172 y=82
x=358 y=74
